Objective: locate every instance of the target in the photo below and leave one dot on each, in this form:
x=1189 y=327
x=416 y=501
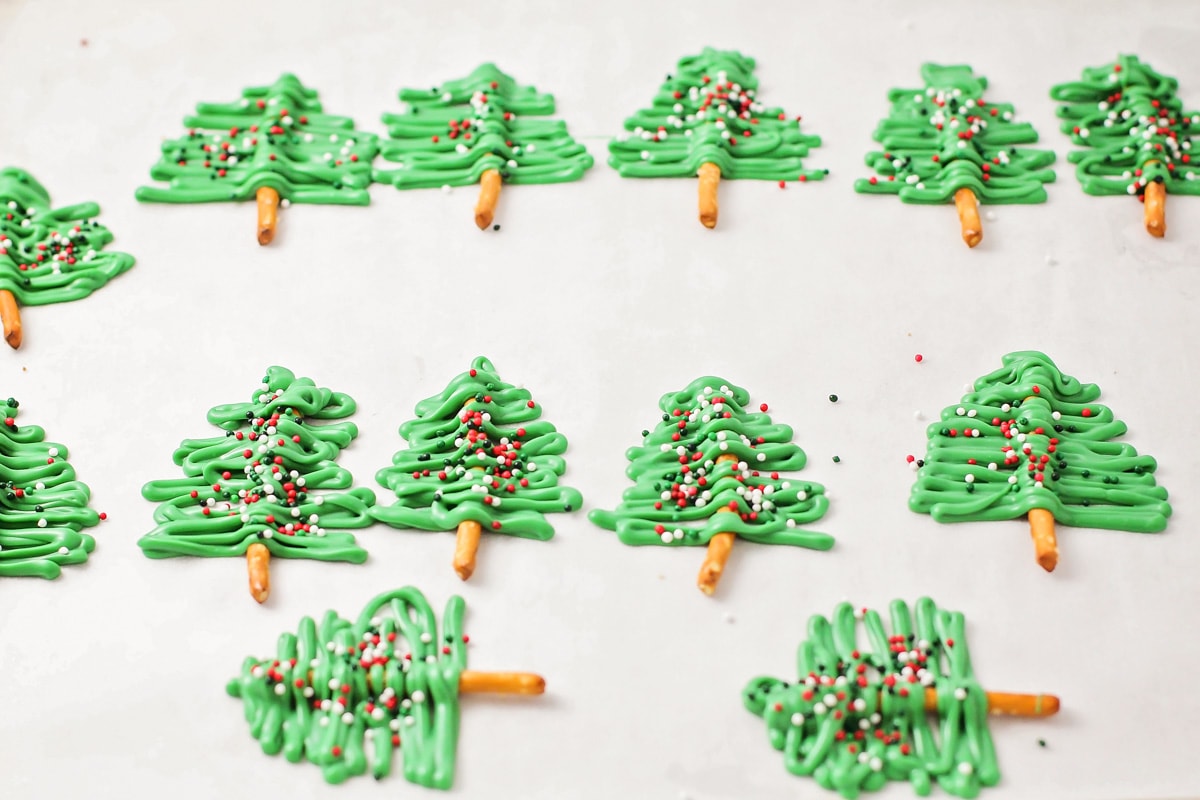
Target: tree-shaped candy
x=1139 y=136
x=347 y=696
x=43 y=508
x=870 y=707
x=255 y=491
x=709 y=472
x=48 y=255
x=706 y=121
x=273 y=143
x=483 y=129
x=478 y=458
x=944 y=143
x=1031 y=441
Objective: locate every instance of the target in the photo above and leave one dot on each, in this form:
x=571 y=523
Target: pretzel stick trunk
x=466 y=544
x=10 y=313
x=719 y=547
x=268 y=218
x=1009 y=705
x=472 y=682
x=1045 y=543
x=489 y=194
x=258 y=560
x=1156 y=209
x=710 y=179
x=968 y=216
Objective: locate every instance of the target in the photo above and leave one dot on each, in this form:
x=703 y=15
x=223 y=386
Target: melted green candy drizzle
x=450 y=135
x=945 y=137
x=478 y=451
x=347 y=695
x=708 y=112
x=1134 y=125
x=275 y=136
x=1029 y=437
x=43 y=508
x=50 y=255
x=679 y=487
x=259 y=482
x=856 y=717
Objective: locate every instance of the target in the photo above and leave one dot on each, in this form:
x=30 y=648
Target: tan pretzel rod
x=1045 y=544
x=719 y=547
x=1156 y=211
x=968 y=216
x=1007 y=704
x=268 y=218
x=258 y=560
x=489 y=194
x=472 y=682
x=710 y=179
x=10 y=313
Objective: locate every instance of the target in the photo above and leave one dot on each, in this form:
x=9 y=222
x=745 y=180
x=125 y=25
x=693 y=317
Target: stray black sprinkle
x=1041 y=742
x=495 y=227
x=833 y=398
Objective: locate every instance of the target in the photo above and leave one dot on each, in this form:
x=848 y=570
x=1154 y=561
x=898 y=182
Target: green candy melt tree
x=347 y=696
x=48 y=255
x=275 y=145
x=706 y=121
x=478 y=458
x=255 y=491
x=710 y=473
x=43 y=508
x=944 y=143
x=484 y=129
x=1031 y=441
x=904 y=706
x=1138 y=135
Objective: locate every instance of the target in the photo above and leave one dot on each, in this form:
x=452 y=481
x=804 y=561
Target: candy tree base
x=489 y=195
x=710 y=179
x=10 y=314
x=1156 y=211
x=1045 y=543
x=466 y=545
x=522 y=683
x=268 y=218
x=968 y=216
x=258 y=560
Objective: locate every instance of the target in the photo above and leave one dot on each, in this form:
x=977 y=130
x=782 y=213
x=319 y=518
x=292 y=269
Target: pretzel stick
x=968 y=216
x=719 y=547
x=466 y=543
x=710 y=178
x=489 y=193
x=1009 y=705
x=10 y=313
x=268 y=203
x=1156 y=212
x=472 y=682
x=258 y=560
x=1045 y=544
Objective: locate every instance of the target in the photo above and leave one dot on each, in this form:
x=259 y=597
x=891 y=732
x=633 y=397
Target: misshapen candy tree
x=479 y=458
x=1137 y=135
x=944 y=143
x=348 y=696
x=257 y=490
x=900 y=706
x=43 y=507
x=707 y=121
x=48 y=255
x=483 y=129
x=1031 y=441
x=709 y=473
x=275 y=145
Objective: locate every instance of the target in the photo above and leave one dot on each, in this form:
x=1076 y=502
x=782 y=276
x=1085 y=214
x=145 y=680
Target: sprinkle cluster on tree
x=48 y=255
x=257 y=489
x=707 y=121
x=43 y=508
x=348 y=696
x=710 y=472
x=479 y=458
x=944 y=143
x=1032 y=441
x=274 y=143
x=900 y=707
x=1138 y=136
x=484 y=129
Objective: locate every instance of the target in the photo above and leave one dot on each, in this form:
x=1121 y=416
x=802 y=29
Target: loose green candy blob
x=43 y=508
x=1029 y=412
x=347 y=695
x=50 y=255
x=944 y=137
x=205 y=513
x=679 y=487
x=708 y=112
x=450 y=135
x=875 y=688
x=1134 y=126
x=276 y=136
x=492 y=461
